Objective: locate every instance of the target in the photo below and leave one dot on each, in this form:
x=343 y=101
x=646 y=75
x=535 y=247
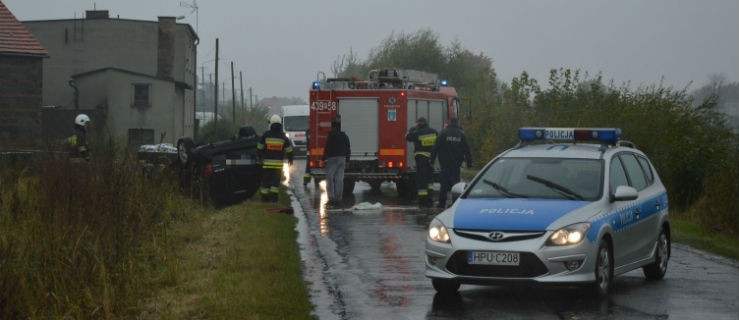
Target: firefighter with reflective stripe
x=423 y=138
x=78 y=149
x=274 y=146
x=453 y=149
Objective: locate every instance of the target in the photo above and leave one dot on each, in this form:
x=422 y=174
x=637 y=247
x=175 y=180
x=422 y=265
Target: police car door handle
x=637 y=212
x=657 y=205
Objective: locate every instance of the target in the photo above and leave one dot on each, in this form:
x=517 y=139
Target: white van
x=295 y=122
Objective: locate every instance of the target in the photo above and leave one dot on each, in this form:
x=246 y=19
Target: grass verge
x=701 y=238
x=240 y=262
x=100 y=240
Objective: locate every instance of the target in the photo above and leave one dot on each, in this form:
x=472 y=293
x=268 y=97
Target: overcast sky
x=281 y=45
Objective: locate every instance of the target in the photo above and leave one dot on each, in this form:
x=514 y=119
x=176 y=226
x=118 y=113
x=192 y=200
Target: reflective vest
x=274 y=147
x=78 y=144
x=423 y=140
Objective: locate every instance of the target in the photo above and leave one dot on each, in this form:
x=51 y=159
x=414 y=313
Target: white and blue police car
x=565 y=206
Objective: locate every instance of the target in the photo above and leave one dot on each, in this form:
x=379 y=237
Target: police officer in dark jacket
x=423 y=138
x=274 y=146
x=452 y=148
x=336 y=154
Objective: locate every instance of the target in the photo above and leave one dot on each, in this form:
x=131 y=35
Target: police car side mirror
x=624 y=193
x=458 y=189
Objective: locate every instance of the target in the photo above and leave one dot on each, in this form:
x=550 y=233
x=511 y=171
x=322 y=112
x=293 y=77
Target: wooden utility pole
x=202 y=76
x=241 y=82
x=233 y=94
x=215 y=91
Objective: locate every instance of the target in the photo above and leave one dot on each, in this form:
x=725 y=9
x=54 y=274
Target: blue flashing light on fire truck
x=376 y=114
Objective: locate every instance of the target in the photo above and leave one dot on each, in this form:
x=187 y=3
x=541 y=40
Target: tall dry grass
x=82 y=240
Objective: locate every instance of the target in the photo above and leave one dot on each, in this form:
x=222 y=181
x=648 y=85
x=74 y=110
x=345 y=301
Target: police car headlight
x=569 y=235
x=438 y=232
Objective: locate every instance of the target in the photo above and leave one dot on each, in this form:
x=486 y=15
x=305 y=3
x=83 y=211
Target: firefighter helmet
x=81 y=119
x=275 y=119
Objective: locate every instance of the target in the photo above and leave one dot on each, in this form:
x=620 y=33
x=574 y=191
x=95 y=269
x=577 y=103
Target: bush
x=692 y=147
x=717 y=209
x=76 y=238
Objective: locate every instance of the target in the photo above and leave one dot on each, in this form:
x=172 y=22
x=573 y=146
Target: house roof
x=15 y=39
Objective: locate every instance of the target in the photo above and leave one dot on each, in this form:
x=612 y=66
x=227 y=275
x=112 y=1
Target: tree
x=227 y=128
x=471 y=74
x=725 y=95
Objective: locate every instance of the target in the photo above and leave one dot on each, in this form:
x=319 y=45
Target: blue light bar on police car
x=611 y=135
x=316 y=85
x=443 y=83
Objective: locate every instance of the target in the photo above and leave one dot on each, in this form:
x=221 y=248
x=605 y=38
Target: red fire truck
x=376 y=114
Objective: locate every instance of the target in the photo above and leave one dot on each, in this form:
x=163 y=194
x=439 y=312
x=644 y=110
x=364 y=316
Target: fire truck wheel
x=406 y=187
x=349 y=186
x=375 y=185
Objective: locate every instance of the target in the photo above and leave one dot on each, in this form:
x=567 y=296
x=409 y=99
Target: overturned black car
x=223 y=172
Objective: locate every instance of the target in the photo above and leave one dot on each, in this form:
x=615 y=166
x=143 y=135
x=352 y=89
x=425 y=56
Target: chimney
x=165 y=49
x=96 y=14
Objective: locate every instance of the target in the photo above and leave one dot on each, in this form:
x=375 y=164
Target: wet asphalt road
x=369 y=264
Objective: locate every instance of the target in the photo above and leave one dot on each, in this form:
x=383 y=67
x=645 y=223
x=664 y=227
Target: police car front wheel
x=446 y=287
x=657 y=269
x=603 y=269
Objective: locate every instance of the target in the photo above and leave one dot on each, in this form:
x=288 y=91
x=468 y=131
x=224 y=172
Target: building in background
x=21 y=69
x=140 y=75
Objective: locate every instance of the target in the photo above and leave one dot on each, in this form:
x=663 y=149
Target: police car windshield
x=296 y=123
x=543 y=178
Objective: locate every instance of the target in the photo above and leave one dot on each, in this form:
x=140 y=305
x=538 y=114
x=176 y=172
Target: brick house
x=21 y=74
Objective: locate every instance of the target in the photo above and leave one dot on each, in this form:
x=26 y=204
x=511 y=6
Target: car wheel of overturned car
x=446 y=287
x=603 y=269
x=657 y=269
x=184 y=148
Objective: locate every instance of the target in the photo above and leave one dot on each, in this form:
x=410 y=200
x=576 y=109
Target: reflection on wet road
x=369 y=264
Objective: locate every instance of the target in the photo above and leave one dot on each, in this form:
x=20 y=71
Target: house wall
x=77 y=46
x=20 y=101
x=186 y=69
x=116 y=90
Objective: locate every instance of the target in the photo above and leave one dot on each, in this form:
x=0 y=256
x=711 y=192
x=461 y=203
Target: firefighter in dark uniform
x=306 y=174
x=453 y=149
x=78 y=149
x=423 y=138
x=274 y=146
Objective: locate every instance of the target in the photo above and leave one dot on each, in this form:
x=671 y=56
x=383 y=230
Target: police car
x=565 y=206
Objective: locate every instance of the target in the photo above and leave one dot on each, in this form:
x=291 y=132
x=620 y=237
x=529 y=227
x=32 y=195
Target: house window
x=137 y=137
x=141 y=93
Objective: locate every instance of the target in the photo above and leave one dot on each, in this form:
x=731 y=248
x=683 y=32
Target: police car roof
x=558 y=150
x=554 y=142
